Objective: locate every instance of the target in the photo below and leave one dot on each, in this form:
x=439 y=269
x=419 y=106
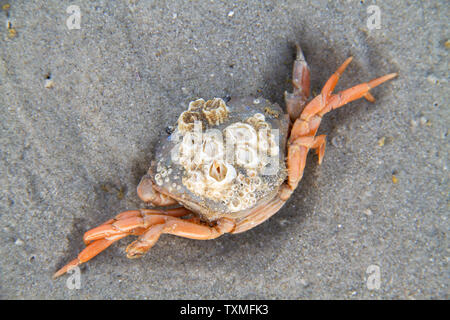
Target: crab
x=199 y=187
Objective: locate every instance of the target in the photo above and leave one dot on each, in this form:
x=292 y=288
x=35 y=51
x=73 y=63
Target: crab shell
x=209 y=185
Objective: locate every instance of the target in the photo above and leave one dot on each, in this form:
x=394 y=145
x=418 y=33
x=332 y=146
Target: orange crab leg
x=309 y=120
x=306 y=126
x=125 y=226
x=297 y=153
x=333 y=80
x=88 y=253
x=95 y=233
x=361 y=90
x=128 y=222
x=186 y=228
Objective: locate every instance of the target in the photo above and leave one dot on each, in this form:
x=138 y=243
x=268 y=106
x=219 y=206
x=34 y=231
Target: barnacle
x=267 y=143
x=212 y=146
x=188 y=153
x=258 y=121
x=195 y=181
x=215 y=111
x=235 y=205
x=246 y=156
x=196 y=105
x=241 y=133
x=220 y=174
x=187 y=120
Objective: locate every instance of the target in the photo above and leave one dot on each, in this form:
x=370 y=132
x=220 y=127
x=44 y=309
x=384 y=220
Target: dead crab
x=231 y=187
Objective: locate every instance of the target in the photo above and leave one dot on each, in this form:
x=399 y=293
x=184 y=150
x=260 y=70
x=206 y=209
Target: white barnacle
x=189 y=154
x=258 y=121
x=267 y=143
x=256 y=181
x=246 y=156
x=212 y=146
x=219 y=174
x=235 y=205
x=195 y=182
x=158 y=179
x=252 y=173
x=241 y=133
x=240 y=178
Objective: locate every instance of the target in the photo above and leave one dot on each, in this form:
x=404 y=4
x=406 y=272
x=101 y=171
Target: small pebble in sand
x=432 y=79
x=337 y=141
x=394 y=179
x=49 y=84
x=12 y=33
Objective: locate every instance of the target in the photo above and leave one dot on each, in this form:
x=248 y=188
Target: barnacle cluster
x=212 y=112
x=223 y=163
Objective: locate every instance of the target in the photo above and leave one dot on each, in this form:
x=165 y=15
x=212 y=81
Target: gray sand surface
x=72 y=153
